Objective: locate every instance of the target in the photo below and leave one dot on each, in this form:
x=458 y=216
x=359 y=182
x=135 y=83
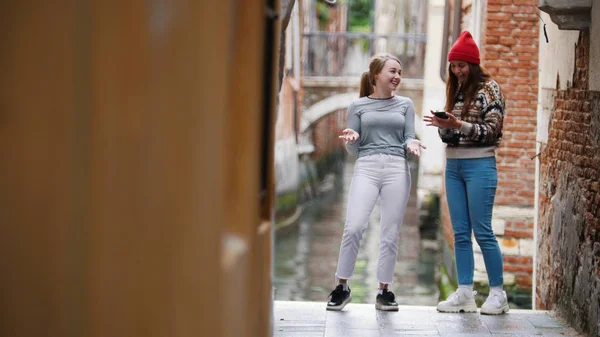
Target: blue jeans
x=470 y=189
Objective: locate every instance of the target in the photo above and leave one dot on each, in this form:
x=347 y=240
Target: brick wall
x=568 y=264
x=325 y=134
x=510 y=54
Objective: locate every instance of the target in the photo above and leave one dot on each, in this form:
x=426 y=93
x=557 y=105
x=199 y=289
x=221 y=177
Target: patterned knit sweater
x=481 y=130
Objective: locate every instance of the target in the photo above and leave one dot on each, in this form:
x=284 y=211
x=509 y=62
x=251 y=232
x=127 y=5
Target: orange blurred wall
x=131 y=138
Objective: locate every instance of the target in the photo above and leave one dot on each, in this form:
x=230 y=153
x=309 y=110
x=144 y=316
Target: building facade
x=568 y=171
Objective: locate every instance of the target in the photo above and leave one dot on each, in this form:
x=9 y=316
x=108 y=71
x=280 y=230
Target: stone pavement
x=310 y=319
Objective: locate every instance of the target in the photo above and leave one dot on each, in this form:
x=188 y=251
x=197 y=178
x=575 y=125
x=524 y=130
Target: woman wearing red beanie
x=472 y=129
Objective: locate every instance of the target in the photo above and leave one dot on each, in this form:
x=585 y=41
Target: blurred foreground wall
x=136 y=175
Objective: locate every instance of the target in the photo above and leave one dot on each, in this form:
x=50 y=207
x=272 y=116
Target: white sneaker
x=495 y=304
x=461 y=300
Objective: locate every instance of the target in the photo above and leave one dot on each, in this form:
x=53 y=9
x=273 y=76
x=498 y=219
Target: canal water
x=306 y=252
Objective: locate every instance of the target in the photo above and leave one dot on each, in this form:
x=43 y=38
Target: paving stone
x=554 y=332
x=464 y=327
x=412 y=330
x=295 y=323
x=298 y=334
x=408 y=334
x=543 y=321
x=343 y=324
x=310 y=319
x=306 y=311
x=340 y=332
x=299 y=328
x=466 y=334
x=509 y=323
x=354 y=316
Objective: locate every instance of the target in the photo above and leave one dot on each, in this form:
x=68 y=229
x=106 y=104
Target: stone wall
x=568 y=262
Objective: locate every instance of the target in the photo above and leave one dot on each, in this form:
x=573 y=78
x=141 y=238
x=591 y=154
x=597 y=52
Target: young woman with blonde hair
x=381 y=130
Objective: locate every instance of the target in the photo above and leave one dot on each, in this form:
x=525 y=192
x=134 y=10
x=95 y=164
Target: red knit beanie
x=464 y=49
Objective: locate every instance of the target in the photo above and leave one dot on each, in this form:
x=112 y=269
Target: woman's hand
x=450 y=123
x=349 y=135
x=414 y=146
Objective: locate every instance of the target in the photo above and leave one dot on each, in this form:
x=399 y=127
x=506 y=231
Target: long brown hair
x=367 y=80
x=477 y=75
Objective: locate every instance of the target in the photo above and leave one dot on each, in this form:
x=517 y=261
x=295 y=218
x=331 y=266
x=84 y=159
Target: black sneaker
x=339 y=298
x=386 y=301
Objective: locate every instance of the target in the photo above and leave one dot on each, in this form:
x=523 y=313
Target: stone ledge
x=568 y=14
x=511 y=212
x=521 y=247
x=502 y=214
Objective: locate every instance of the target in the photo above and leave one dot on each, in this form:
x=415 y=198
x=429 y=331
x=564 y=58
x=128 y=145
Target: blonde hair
x=367 y=80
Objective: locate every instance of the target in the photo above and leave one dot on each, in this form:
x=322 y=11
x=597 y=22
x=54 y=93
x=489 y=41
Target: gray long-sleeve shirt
x=384 y=125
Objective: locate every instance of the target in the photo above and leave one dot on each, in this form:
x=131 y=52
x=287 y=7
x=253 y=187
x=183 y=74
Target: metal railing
x=348 y=53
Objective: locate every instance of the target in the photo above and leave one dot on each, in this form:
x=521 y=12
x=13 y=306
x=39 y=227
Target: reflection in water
x=306 y=254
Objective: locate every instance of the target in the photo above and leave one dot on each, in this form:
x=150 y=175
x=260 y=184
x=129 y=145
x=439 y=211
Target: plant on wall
x=359 y=15
x=323 y=14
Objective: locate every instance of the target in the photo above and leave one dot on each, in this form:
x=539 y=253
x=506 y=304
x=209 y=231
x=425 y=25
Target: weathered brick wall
x=568 y=263
x=510 y=54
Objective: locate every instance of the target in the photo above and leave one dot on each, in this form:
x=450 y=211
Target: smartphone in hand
x=441 y=114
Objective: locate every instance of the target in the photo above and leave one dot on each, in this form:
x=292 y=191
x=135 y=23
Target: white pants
x=384 y=176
